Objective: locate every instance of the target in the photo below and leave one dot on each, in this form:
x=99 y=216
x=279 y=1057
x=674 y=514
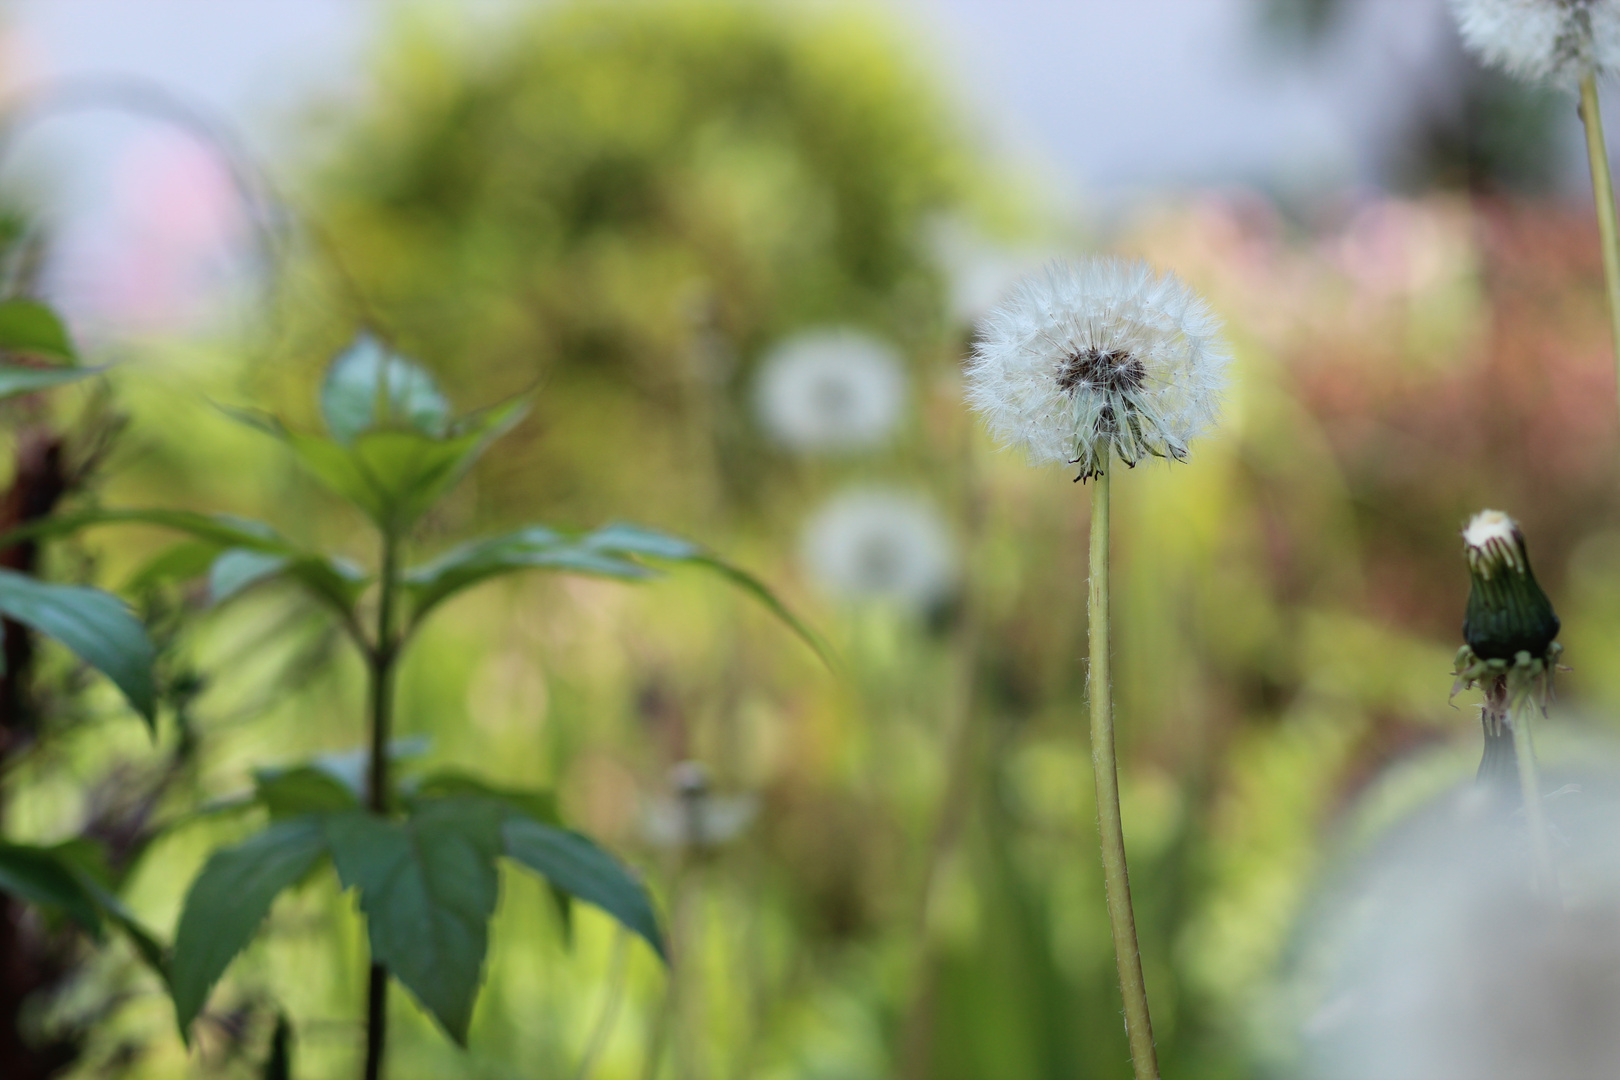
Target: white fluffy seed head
x=1096 y=358
x=830 y=390
x=876 y=544
x=1548 y=41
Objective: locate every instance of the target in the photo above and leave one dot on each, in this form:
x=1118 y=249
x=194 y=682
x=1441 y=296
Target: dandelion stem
x=1530 y=787
x=1603 y=194
x=1116 y=878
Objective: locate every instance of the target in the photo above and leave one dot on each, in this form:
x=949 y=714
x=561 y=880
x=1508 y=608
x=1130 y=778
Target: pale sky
x=1106 y=101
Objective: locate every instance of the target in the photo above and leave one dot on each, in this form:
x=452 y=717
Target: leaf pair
x=427 y=883
x=391 y=449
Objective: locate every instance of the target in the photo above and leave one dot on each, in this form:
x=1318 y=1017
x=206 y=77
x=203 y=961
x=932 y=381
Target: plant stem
x=381 y=664
x=1530 y=787
x=1603 y=195
x=1116 y=878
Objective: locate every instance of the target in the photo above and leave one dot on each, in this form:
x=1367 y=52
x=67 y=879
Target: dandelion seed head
x=1098 y=357
x=1550 y=41
x=829 y=390
x=880 y=545
x=692 y=816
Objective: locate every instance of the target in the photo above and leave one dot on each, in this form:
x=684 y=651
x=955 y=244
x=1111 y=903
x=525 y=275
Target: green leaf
x=28 y=326
x=538 y=804
x=183 y=561
x=369 y=387
x=44 y=877
x=303 y=789
x=535 y=547
x=611 y=551
x=395 y=476
x=335 y=582
x=576 y=865
x=18 y=379
x=228 y=901
x=239 y=569
x=427 y=886
x=95 y=625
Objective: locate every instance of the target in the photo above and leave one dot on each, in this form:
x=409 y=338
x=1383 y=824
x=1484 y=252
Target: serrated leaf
x=303 y=789
x=94 y=624
x=28 y=326
x=369 y=387
x=427 y=886
x=18 y=379
x=575 y=864
x=227 y=902
x=44 y=877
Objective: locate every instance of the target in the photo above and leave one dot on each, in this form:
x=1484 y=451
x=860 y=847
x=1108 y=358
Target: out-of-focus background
x=639 y=208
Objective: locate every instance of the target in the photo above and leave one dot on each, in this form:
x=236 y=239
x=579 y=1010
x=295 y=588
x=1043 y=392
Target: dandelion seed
x=1098 y=357
x=693 y=817
x=829 y=390
x=882 y=545
x=1552 y=41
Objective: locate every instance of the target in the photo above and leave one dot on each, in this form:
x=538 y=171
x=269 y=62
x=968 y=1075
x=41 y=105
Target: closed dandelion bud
x=1099 y=358
x=1508 y=614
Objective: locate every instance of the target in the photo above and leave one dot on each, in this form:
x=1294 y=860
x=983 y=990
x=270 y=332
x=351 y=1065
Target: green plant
x=421 y=852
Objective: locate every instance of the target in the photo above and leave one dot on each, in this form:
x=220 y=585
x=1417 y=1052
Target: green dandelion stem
x=1603 y=195
x=1116 y=878
x=1535 y=814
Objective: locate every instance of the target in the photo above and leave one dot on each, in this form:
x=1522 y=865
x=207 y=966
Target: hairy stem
x=1524 y=749
x=381 y=671
x=1603 y=195
x=1116 y=878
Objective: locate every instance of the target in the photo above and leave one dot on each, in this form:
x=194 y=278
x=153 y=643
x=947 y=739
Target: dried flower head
x=882 y=545
x=1553 y=41
x=1507 y=611
x=830 y=390
x=1099 y=357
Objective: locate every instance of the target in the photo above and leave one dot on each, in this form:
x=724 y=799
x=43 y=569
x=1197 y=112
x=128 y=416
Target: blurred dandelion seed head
x=692 y=816
x=880 y=545
x=830 y=390
x=1097 y=357
x=1430 y=955
x=1551 y=41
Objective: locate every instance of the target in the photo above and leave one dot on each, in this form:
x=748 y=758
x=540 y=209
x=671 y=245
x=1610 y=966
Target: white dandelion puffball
x=876 y=544
x=1553 y=41
x=693 y=816
x=836 y=389
x=1098 y=357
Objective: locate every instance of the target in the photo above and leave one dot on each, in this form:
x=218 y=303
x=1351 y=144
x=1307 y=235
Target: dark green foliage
x=228 y=901
x=95 y=625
